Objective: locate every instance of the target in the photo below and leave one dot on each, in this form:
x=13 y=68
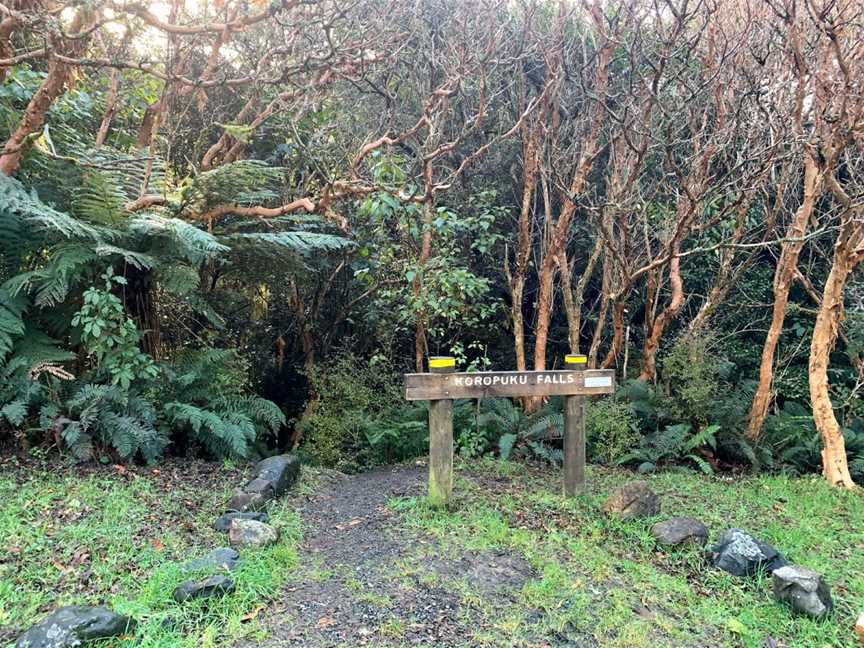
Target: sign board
x=441 y=386
x=438 y=386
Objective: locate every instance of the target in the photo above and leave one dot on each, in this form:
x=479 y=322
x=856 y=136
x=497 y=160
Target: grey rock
x=213 y=586
x=221 y=559
x=273 y=476
x=241 y=501
x=741 y=554
x=224 y=521
x=803 y=589
x=250 y=533
x=281 y=471
x=680 y=530
x=73 y=625
x=632 y=500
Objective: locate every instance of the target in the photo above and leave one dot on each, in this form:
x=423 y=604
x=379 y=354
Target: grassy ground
x=603 y=582
x=116 y=536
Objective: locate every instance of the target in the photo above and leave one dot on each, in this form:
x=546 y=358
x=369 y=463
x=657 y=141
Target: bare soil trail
x=365 y=580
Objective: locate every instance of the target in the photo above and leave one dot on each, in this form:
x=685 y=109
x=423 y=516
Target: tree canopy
x=214 y=215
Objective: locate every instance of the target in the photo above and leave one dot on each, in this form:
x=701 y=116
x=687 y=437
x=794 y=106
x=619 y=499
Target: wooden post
x=441 y=438
x=574 y=433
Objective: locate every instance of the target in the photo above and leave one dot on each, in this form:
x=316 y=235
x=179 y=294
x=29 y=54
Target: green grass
x=601 y=578
x=104 y=536
x=118 y=538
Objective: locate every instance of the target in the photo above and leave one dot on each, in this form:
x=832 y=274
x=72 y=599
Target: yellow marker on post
x=442 y=364
x=575 y=361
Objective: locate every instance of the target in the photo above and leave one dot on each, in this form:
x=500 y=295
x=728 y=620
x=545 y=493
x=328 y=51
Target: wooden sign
x=435 y=386
x=441 y=386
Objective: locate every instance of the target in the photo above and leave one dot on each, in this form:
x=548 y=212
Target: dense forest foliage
x=231 y=226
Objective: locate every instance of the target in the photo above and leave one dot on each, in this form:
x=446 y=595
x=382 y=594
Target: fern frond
x=16 y=202
x=11 y=321
x=186 y=241
x=99 y=198
x=136 y=259
x=234 y=183
x=180 y=280
x=280 y=243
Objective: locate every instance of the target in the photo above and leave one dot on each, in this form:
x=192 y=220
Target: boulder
x=224 y=521
x=73 y=625
x=632 y=500
x=803 y=589
x=273 y=476
x=221 y=559
x=250 y=533
x=213 y=586
x=680 y=530
x=741 y=554
x=281 y=471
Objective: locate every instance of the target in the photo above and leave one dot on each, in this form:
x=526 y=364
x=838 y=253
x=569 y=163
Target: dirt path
x=345 y=591
x=365 y=581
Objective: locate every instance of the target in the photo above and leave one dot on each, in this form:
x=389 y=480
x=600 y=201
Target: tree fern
x=108 y=415
x=22 y=208
x=247 y=182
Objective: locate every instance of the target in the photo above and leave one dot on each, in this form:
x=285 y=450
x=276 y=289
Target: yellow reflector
x=572 y=358
x=441 y=362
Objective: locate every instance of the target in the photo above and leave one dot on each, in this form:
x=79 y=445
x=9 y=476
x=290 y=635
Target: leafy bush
x=110 y=337
x=208 y=401
x=612 y=429
x=692 y=374
x=397 y=434
x=107 y=415
x=537 y=435
x=351 y=397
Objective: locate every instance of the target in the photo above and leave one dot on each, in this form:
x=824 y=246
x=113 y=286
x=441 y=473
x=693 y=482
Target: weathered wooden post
x=574 y=432
x=441 y=438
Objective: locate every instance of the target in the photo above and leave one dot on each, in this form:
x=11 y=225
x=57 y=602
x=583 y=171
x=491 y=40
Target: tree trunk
x=110 y=108
x=575 y=297
x=652 y=343
x=783 y=276
x=421 y=347
x=52 y=87
x=141 y=305
x=619 y=309
x=834 y=463
x=34 y=116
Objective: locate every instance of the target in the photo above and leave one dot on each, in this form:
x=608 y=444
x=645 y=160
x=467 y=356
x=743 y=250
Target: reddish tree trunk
x=784 y=274
x=834 y=462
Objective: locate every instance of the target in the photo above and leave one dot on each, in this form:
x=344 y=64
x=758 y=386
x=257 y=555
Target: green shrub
x=399 y=433
x=612 y=430
x=692 y=374
x=351 y=395
x=794 y=445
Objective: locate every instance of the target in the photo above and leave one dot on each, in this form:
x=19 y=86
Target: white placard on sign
x=598 y=381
